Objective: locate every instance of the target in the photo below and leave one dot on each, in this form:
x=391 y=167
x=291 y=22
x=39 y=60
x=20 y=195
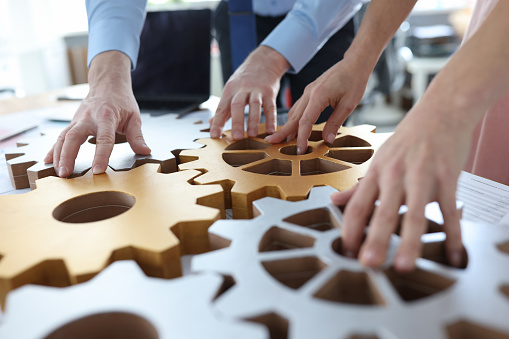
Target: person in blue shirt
x=283 y=32
x=114 y=30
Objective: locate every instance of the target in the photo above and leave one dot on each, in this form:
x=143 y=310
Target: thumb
x=135 y=137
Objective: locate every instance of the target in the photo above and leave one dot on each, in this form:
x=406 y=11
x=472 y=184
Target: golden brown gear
x=251 y=168
x=68 y=230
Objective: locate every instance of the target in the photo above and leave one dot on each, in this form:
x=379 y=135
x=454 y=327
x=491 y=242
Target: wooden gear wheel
x=121 y=302
x=286 y=264
x=67 y=230
x=251 y=169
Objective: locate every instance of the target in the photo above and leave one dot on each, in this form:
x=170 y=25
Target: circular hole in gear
x=107 y=326
x=292 y=150
x=94 y=207
x=119 y=139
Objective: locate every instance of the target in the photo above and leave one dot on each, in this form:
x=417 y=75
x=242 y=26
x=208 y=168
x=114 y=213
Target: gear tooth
x=191 y=165
x=11 y=267
x=321 y=191
x=267 y=204
x=145 y=169
x=235 y=303
x=365 y=128
x=229 y=230
x=211 y=261
x=188 y=175
x=206 y=178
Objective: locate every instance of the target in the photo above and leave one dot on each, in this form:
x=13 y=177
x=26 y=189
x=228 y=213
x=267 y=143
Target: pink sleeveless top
x=489 y=154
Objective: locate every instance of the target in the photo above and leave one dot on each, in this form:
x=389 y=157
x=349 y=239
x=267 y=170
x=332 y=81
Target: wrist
x=111 y=68
x=269 y=57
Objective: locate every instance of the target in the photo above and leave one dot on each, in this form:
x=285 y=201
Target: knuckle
x=349 y=106
x=255 y=100
x=355 y=209
x=305 y=121
x=386 y=217
x=71 y=135
x=413 y=218
x=106 y=139
x=395 y=171
x=107 y=115
x=237 y=105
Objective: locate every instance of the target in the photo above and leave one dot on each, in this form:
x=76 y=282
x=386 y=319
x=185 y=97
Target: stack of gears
x=107 y=248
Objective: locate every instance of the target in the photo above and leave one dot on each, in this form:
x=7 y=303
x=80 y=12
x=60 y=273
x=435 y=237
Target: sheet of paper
x=485 y=200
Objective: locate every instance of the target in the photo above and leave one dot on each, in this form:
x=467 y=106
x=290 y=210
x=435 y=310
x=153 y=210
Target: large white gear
x=166 y=135
x=286 y=261
x=121 y=302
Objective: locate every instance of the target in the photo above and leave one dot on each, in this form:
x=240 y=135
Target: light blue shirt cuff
x=115 y=25
x=303 y=32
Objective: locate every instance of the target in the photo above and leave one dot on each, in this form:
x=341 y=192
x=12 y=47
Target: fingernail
x=214 y=133
x=403 y=263
x=330 y=138
x=455 y=258
x=238 y=135
x=299 y=151
x=62 y=172
x=268 y=138
x=368 y=257
x=97 y=170
x=252 y=132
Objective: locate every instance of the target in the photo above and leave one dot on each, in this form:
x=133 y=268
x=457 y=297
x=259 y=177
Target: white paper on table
x=485 y=200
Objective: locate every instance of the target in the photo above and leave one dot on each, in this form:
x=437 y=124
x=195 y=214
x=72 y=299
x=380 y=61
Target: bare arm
x=343 y=85
x=421 y=162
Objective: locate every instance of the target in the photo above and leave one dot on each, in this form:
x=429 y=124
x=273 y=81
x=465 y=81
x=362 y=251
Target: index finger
x=291 y=126
x=306 y=122
x=219 y=119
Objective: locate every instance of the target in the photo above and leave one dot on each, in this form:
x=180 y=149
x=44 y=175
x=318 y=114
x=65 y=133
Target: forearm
x=476 y=76
x=382 y=20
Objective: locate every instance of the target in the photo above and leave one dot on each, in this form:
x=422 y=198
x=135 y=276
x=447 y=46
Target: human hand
x=420 y=163
x=108 y=108
x=254 y=83
x=341 y=87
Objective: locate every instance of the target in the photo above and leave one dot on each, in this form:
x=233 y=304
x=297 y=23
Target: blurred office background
x=43 y=46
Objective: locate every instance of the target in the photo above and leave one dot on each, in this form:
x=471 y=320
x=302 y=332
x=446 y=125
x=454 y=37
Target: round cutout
x=292 y=150
x=94 y=207
x=107 y=326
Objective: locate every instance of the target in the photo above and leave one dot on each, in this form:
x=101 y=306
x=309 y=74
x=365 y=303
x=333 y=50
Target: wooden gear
x=251 y=169
x=121 y=302
x=67 y=230
x=287 y=265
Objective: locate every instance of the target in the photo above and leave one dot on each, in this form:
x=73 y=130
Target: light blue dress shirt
x=117 y=25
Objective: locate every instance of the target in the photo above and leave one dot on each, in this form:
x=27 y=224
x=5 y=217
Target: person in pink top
x=460 y=123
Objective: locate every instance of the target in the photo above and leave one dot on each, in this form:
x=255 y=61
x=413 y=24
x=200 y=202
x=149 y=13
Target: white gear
x=122 y=302
x=286 y=261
